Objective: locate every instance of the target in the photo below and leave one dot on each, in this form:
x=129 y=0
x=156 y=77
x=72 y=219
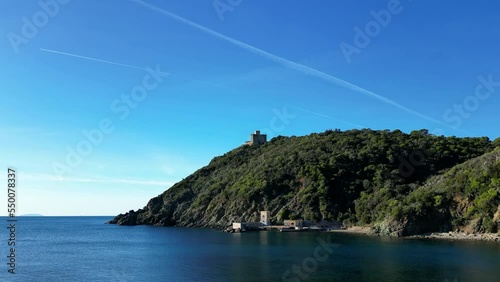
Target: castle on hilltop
x=256 y=138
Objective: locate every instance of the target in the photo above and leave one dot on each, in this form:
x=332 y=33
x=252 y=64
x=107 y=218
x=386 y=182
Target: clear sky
x=106 y=104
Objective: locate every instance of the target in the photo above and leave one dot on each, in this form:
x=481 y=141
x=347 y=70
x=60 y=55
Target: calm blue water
x=85 y=249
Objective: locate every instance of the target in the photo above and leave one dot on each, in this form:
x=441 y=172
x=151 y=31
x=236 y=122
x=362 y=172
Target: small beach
x=365 y=230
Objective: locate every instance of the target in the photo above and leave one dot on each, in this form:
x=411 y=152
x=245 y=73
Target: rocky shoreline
x=368 y=231
x=492 y=237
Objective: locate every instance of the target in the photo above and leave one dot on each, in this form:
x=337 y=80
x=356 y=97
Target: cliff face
x=358 y=176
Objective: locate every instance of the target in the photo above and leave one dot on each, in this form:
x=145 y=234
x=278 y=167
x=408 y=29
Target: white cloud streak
x=93 y=59
x=290 y=64
x=329 y=117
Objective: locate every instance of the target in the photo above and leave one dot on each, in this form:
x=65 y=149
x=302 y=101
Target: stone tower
x=257 y=138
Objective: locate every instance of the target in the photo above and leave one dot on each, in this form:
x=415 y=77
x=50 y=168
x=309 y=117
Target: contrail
x=290 y=64
x=326 y=116
x=94 y=59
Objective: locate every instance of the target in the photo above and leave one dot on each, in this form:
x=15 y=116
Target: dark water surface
x=85 y=249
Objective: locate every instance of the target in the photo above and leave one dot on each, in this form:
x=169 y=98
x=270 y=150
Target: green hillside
x=465 y=198
x=398 y=183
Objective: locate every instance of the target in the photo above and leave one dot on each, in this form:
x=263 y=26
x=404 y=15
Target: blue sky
x=233 y=67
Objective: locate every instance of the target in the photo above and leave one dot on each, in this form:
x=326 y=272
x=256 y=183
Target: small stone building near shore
x=238 y=225
x=294 y=222
x=245 y=226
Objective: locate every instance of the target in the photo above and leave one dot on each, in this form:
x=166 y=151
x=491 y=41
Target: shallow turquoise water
x=85 y=249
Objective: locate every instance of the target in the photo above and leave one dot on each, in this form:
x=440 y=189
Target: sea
x=87 y=249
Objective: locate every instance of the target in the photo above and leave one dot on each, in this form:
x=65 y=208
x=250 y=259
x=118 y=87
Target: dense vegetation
x=396 y=182
x=467 y=197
